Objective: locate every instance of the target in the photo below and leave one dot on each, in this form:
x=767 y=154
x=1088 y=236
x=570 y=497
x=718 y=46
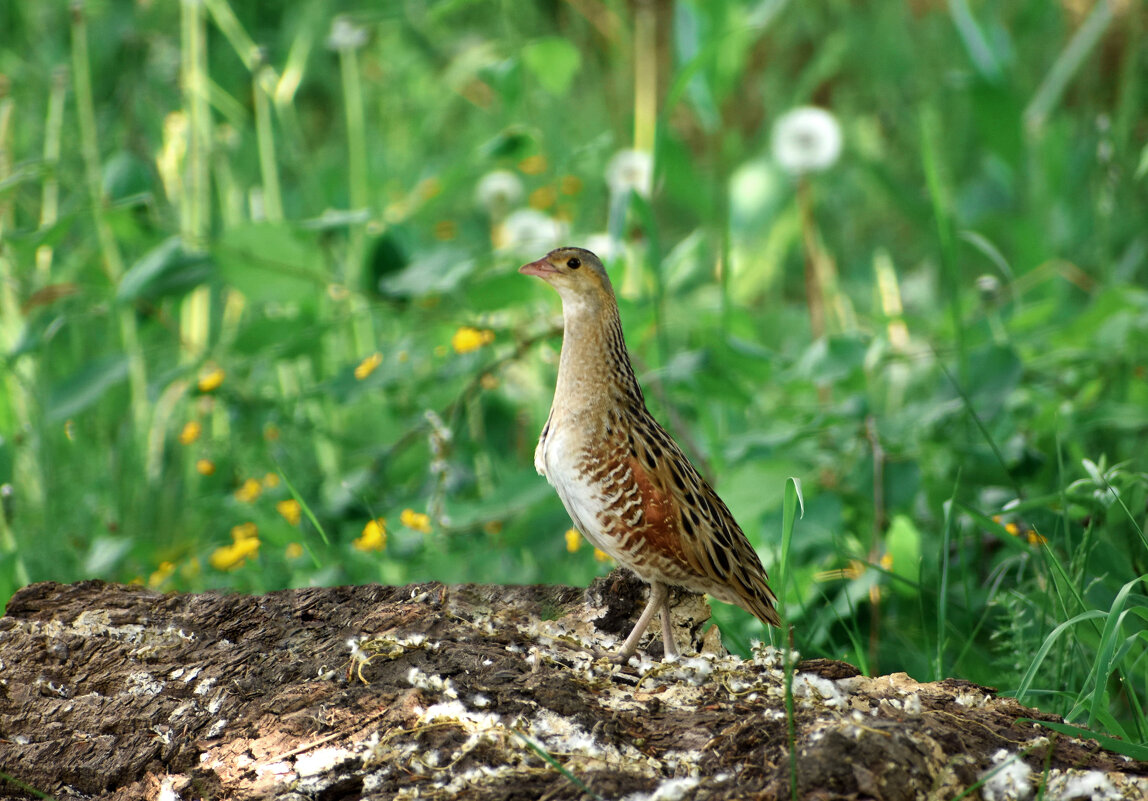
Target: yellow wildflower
x=244 y=546
x=294 y=550
x=887 y=561
x=290 y=510
x=271 y=481
x=271 y=432
x=205 y=467
x=542 y=198
x=1035 y=538
x=533 y=165
x=161 y=575
x=416 y=520
x=1009 y=527
x=573 y=540
x=428 y=188
x=467 y=339
x=374 y=536
x=368 y=365
x=229 y=557
x=445 y=230
x=190 y=433
x=244 y=531
x=210 y=378
x=601 y=555
x=250 y=491
x=570 y=184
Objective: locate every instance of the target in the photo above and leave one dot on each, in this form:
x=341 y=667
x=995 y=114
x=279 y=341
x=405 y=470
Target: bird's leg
x=658 y=594
x=668 y=645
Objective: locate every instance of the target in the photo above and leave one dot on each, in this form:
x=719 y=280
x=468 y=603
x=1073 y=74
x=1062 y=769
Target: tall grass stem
x=109 y=248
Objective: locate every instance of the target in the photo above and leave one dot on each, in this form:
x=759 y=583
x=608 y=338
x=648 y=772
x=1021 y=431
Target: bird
x=627 y=486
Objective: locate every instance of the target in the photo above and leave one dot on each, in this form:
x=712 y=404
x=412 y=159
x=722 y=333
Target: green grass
x=194 y=188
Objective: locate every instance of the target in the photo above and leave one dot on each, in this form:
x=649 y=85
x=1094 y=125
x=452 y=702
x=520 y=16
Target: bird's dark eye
x=574 y=263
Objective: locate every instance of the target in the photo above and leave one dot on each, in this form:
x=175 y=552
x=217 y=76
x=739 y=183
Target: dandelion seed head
x=528 y=232
x=498 y=191
x=630 y=169
x=806 y=139
x=345 y=35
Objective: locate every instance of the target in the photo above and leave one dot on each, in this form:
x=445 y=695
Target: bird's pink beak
x=541 y=268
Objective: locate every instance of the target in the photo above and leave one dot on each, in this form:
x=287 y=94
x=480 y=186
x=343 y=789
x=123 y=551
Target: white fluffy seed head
x=498 y=192
x=806 y=139
x=630 y=169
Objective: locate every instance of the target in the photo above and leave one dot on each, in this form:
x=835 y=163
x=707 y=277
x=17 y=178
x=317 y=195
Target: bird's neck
x=594 y=370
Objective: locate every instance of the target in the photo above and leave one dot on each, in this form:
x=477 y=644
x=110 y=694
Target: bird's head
x=577 y=274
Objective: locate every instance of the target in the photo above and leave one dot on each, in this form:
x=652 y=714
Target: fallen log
x=479 y=692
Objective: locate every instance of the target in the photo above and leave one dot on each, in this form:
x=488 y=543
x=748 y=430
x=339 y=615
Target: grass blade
x=558 y=766
x=1133 y=750
x=1067 y=63
x=1026 y=682
x=789 y=512
x=1103 y=660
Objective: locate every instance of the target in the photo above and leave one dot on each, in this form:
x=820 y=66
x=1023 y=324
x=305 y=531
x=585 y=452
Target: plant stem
x=20 y=377
x=265 y=137
x=354 y=274
x=645 y=75
x=50 y=192
x=109 y=249
x=195 y=203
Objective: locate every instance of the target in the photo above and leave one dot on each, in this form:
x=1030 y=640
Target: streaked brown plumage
x=625 y=483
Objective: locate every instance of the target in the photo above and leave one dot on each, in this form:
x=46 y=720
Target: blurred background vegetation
x=261 y=326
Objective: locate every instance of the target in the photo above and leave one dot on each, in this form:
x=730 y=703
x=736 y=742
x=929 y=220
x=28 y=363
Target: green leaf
x=499 y=291
x=903 y=543
x=994 y=372
x=689 y=39
x=125 y=174
x=436 y=272
x=832 y=359
x=166 y=269
x=271 y=262
x=105 y=555
x=755 y=487
x=516 y=492
x=86 y=386
x=285 y=337
x=554 y=63
x=514 y=142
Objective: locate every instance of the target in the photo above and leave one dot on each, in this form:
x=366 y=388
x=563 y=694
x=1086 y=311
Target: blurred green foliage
x=264 y=294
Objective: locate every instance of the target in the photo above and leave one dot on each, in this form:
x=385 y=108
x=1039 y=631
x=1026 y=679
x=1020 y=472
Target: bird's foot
x=613 y=657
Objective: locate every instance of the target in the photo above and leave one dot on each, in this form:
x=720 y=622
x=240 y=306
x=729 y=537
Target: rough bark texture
x=477 y=692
